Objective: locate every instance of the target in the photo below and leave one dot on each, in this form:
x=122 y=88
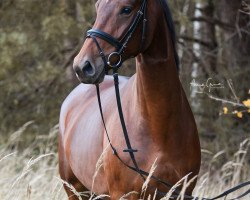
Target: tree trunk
x=236 y=41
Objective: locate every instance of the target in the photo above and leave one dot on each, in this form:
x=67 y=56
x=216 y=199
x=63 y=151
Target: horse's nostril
x=88 y=69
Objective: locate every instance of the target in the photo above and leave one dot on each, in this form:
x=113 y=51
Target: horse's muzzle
x=86 y=73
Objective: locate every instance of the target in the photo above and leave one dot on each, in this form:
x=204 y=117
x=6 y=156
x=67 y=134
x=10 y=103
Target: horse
x=159 y=120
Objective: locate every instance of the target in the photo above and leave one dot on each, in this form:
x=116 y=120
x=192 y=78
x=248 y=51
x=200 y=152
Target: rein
x=131 y=152
x=120 y=46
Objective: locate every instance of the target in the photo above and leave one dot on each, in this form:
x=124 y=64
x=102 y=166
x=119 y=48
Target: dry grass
x=33 y=172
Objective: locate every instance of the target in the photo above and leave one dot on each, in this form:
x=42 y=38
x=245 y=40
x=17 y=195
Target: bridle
x=120 y=46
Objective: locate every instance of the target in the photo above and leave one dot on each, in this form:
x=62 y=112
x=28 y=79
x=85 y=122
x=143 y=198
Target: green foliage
x=33 y=40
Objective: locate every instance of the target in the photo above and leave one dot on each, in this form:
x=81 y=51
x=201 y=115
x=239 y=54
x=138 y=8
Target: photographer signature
x=208 y=85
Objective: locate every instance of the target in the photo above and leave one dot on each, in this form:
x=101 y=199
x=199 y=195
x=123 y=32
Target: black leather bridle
x=120 y=46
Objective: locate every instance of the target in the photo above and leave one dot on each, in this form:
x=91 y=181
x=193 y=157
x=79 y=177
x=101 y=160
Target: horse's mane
x=170 y=23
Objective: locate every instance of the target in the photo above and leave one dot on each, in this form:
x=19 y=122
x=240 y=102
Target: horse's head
x=118 y=34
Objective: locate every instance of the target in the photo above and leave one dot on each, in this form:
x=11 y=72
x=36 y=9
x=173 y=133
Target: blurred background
x=40 y=38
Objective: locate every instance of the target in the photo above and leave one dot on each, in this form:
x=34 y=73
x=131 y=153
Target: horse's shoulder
x=71 y=102
x=84 y=92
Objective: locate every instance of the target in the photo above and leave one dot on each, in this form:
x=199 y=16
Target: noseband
x=120 y=45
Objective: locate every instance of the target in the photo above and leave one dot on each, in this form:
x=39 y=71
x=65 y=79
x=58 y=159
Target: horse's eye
x=126 y=10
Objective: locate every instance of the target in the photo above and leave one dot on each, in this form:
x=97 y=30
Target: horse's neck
x=158 y=89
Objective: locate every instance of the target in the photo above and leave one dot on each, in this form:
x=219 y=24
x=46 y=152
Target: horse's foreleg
x=68 y=176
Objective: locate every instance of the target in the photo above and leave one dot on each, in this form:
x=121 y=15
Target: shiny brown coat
x=159 y=120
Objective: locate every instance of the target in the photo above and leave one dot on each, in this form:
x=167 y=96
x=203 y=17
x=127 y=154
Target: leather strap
x=129 y=149
x=141 y=12
x=104 y=125
x=105 y=36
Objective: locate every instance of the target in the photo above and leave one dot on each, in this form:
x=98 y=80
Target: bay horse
x=157 y=114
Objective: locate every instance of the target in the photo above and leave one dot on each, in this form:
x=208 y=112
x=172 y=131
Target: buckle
x=118 y=63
